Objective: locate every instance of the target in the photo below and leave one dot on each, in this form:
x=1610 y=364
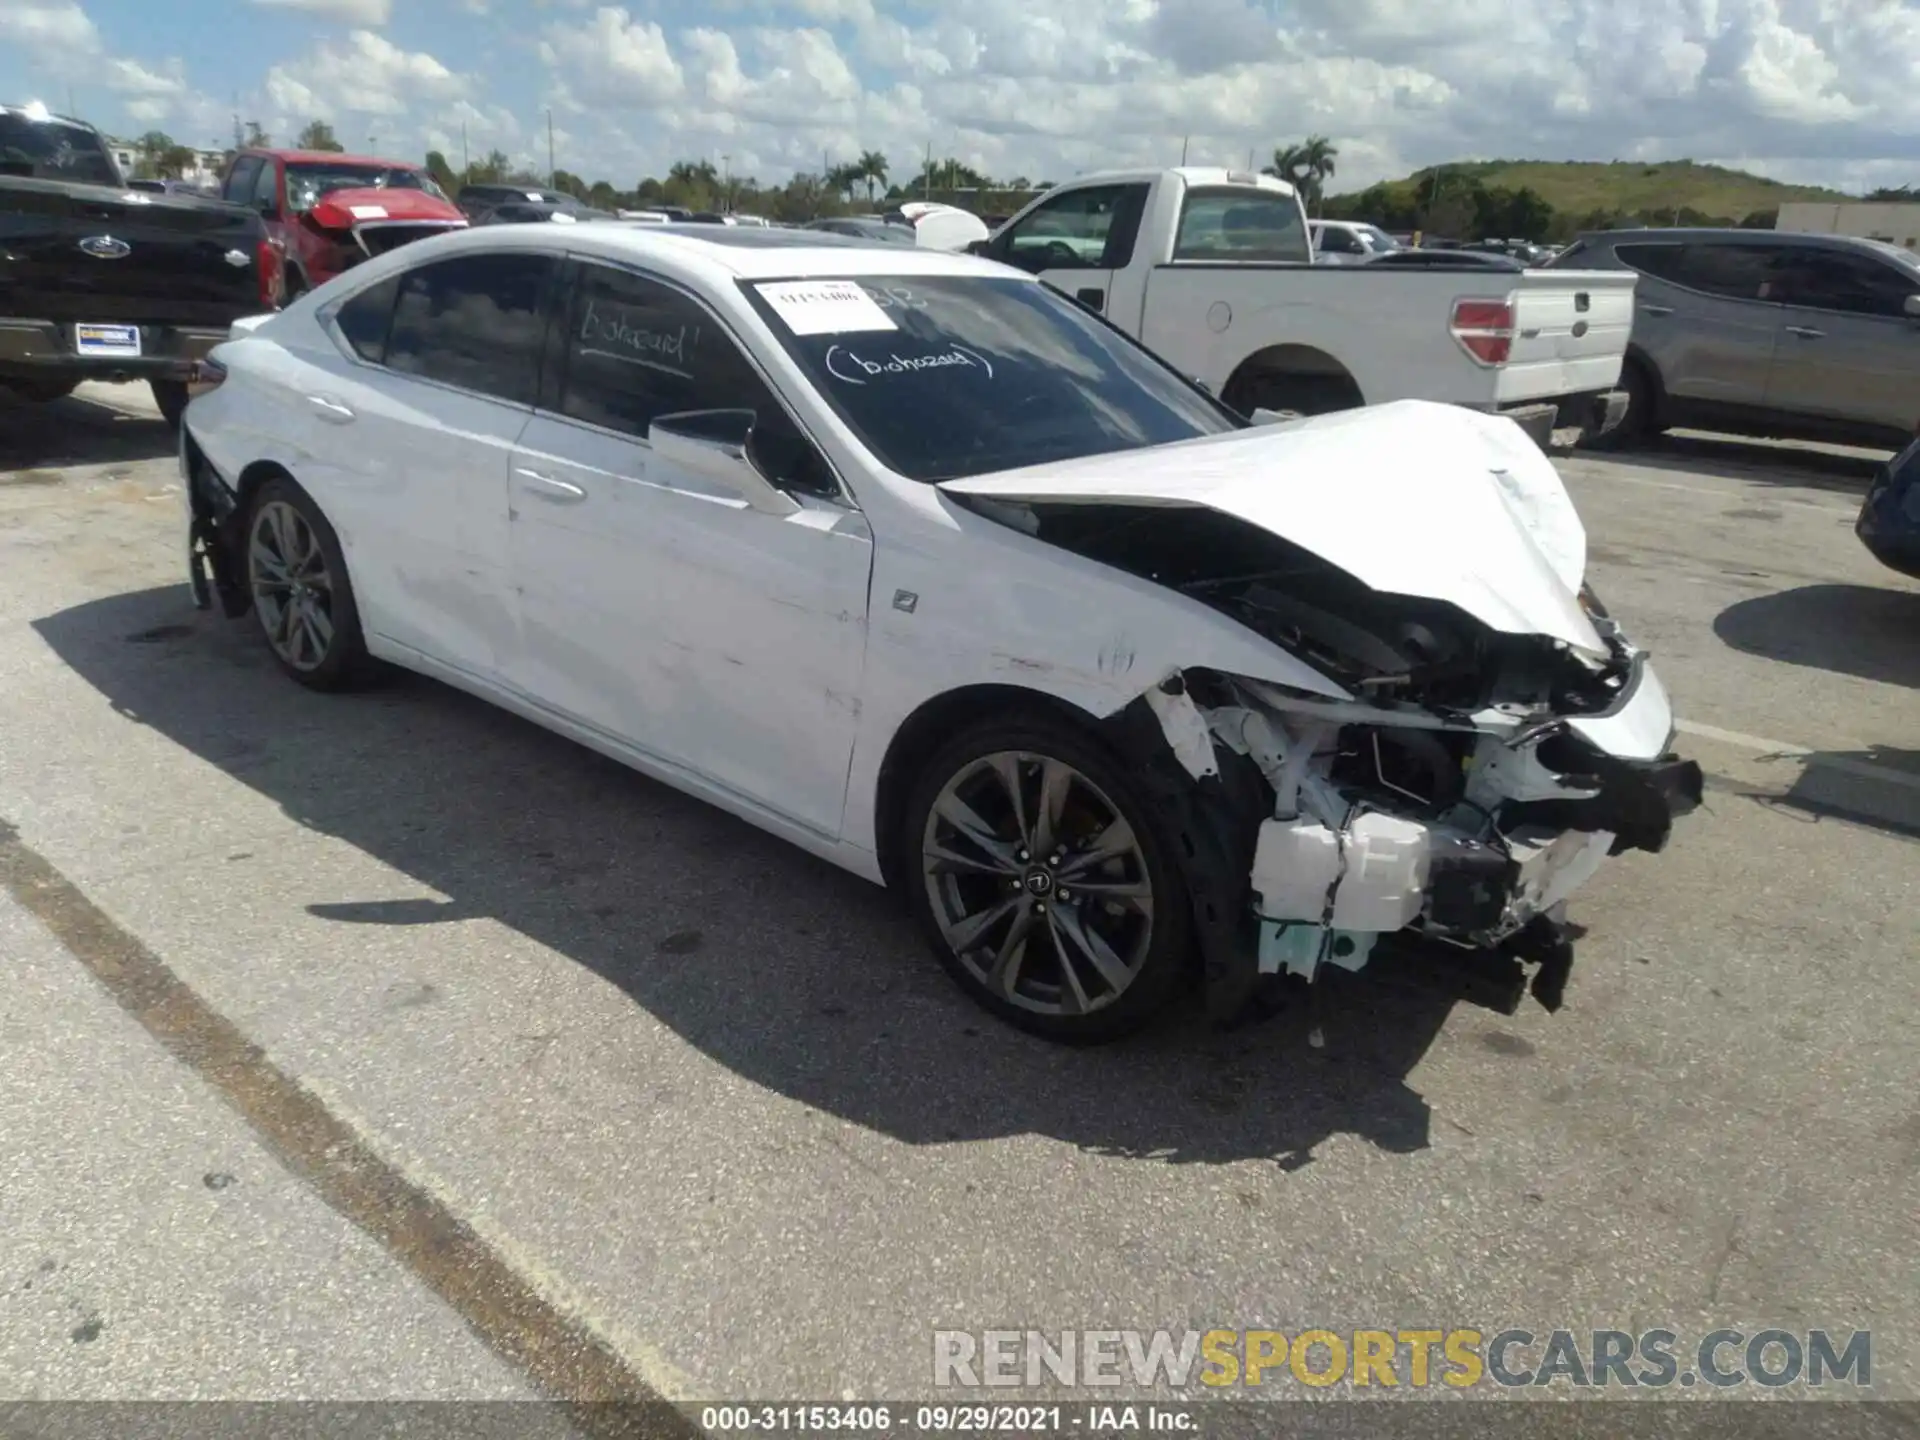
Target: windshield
x=949 y=376
x=1379 y=239
x=307 y=183
x=53 y=150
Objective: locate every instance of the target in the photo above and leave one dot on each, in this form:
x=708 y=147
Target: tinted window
x=266 y=188
x=1248 y=224
x=475 y=322
x=239 y=186
x=1854 y=284
x=53 y=150
x=970 y=375
x=1082 y=230
x=364 y=319
x=1731 y=271
x=1660 y=261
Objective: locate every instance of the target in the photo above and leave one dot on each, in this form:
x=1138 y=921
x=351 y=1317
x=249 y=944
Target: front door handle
x=1656 y=309
x=1806 y=332
x=546 y=487
x=331 y=410
x=1093 y=297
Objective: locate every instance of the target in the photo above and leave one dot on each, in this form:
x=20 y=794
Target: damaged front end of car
x=1469 y=783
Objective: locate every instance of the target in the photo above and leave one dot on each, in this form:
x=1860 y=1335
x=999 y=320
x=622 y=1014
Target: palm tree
x=1306 y=166
x=873 y=169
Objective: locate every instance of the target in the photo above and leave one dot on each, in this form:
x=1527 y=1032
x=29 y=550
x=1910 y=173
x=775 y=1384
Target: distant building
x=1869 y=220
x=207 y=164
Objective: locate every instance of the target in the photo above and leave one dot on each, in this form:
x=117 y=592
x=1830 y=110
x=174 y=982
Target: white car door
x=415 y=438
x=657 y=606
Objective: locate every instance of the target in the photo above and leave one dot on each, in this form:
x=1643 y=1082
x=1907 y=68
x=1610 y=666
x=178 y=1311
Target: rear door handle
x=1806 y=332
x=330 y=409
x=1092 y=297
x=1656 y=309
x=546 y=487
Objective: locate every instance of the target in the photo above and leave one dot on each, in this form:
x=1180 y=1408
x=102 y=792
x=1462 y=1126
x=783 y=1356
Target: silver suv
x=1760 y=332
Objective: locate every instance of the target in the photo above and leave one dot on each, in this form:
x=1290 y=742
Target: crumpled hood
x=344 y=209
x=1412 y=498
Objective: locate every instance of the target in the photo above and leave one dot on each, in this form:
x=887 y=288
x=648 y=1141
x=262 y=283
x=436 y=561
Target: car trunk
x=180 y=260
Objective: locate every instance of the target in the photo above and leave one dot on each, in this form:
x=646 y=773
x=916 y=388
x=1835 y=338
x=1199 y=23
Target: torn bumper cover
x=1472 y=831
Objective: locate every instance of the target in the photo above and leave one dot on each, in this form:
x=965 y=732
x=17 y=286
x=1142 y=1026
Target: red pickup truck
x=328 y=212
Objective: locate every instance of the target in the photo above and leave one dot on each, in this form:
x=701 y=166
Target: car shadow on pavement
x=77 y=431
x=1845 y=471
x=789 y=972
x=1878 y=787
x=1868 y=631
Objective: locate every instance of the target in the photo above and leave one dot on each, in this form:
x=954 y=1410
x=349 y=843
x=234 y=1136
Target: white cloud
x=351 y=12
x=367 y=75
x=48 y=26
x=614 y=60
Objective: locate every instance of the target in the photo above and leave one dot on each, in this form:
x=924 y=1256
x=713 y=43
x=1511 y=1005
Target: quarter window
x=476 y=322
x=363 y=321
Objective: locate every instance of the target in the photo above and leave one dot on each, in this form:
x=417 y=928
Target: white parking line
x=1879 y=774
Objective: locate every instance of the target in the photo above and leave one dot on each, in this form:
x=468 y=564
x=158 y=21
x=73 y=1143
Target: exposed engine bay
x=1453 y=795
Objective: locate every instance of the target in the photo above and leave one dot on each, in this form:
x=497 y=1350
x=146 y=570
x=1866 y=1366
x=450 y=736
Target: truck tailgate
x=1570 y=331
x=89 y=253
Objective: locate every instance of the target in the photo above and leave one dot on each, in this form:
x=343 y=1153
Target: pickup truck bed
x=101 y=282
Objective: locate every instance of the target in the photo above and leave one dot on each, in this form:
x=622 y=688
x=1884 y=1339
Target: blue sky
x=1803 y=89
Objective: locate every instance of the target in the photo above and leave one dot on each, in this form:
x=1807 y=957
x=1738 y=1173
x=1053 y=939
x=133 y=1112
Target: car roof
x=1189 y=175
x=716 y=253
x=1723 y=235
x=329 y=157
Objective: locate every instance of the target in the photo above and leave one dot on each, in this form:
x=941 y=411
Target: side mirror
x=1912 y=307
x=713 y=445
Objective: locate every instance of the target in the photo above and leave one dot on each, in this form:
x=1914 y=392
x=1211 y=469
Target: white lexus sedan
x=909 y=559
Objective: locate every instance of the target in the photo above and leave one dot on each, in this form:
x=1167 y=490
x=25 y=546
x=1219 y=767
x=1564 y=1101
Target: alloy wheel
x=292 y=588
x=1038 y=884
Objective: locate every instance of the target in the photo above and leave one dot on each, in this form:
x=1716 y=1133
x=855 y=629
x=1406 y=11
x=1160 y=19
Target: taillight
x=272 y=274
x=1484 y=329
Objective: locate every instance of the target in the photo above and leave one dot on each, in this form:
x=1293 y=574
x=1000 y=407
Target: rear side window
x=1249 y=224
x=476 y=322
x=1660 y=261
x=1730 y=271
x=637 y=349
x=363 y=321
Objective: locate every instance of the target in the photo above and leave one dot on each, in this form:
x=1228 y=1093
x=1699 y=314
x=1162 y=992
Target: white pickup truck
x=1213 y=270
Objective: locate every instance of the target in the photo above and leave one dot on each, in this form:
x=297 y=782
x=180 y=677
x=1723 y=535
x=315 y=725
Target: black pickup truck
x=102 y=282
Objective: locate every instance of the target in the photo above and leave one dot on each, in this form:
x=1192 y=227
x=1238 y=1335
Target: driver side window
x=1081 y=230
x=637 y=349
x=266 y=189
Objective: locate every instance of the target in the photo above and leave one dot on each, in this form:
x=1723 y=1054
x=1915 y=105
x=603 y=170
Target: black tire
x=38 y=392
x=1641 y=424
x=1295 y=394
x=1163 y=951
x=342 y=662
x=171 y=397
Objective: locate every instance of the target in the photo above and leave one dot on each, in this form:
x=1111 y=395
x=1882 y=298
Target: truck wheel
x=171 y=397
x=1297 y=394
x=38 y=392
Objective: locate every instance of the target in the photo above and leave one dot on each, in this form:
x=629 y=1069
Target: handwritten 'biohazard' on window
x=855 y=368
x=611 y=333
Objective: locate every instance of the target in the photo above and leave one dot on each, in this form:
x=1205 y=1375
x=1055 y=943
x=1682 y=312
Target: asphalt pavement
x=697 y=1113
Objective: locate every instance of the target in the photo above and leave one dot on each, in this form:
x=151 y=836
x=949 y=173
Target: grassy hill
x=1581 y=193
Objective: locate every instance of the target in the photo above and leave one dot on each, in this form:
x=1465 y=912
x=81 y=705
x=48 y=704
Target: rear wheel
x=171 y=398
x=298 y=579
x=1043 y=882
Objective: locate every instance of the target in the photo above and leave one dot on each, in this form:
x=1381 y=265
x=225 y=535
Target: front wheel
x=298 y=578
x=1043 y=881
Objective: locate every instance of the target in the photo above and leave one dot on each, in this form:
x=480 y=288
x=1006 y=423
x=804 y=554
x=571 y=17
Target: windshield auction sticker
x=826 y=307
